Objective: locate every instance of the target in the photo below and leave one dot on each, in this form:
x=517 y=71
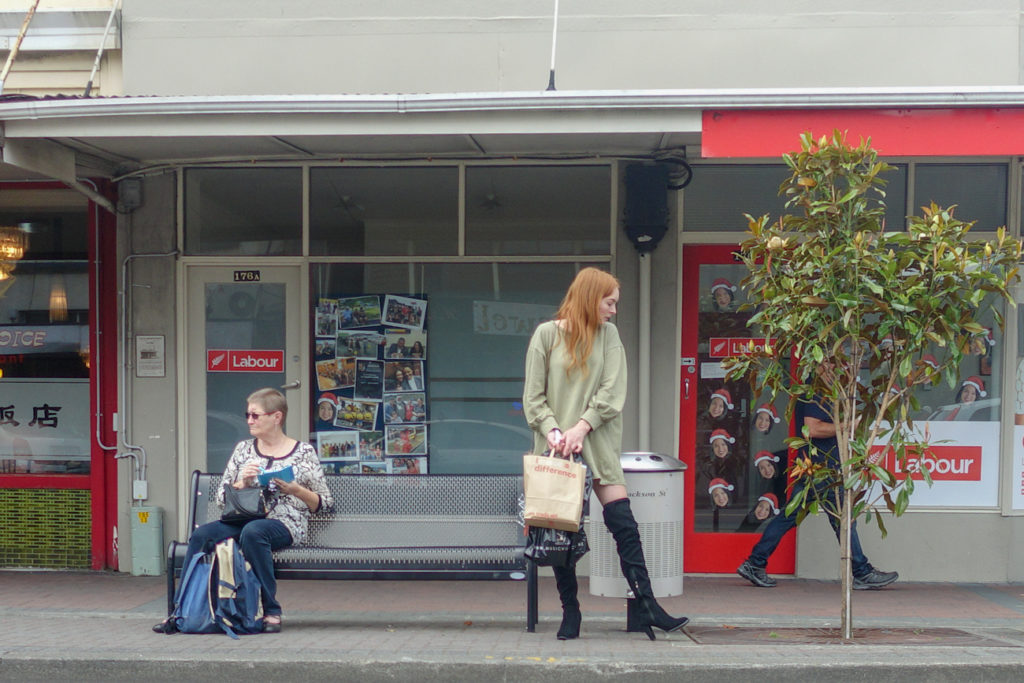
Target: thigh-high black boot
x=568 y=587
x=618 y=517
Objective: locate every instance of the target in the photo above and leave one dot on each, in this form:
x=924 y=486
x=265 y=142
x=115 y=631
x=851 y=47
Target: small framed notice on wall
x=149 y=356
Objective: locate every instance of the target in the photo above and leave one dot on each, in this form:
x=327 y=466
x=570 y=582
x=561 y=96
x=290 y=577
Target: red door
x=731 y=439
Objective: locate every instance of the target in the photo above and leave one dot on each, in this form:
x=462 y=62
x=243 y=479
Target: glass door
x=244 y=333
x=732 y=440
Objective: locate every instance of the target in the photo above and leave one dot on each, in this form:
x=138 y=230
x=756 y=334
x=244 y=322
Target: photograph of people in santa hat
x=719 y=490
x=721 y=442
x=723 y=294
x=722 y=461
x=971 y=389
x=767 y=506
x=720 y=403
x=765 y=417
x=767 y=464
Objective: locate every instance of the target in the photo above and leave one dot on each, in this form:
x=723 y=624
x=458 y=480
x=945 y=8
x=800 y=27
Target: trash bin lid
x=644 y=461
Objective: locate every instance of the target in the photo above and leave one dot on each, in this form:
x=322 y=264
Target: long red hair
x=580 y=314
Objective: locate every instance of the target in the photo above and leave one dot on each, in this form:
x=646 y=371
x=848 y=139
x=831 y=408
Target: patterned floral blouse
x=289 y=510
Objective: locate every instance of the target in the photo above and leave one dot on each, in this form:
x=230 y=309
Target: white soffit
x=132 y=133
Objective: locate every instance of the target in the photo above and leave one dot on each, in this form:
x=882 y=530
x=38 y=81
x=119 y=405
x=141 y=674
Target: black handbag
x=243 y=505
x=554 y=547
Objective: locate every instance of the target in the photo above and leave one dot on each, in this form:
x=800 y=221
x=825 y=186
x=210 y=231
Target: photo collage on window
x=741 y=456
x=371 y=384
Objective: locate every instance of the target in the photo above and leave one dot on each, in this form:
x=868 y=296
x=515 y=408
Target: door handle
x=291 y=385
x=686 y=388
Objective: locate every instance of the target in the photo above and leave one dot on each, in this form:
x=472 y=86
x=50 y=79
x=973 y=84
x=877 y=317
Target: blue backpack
x=219 y=593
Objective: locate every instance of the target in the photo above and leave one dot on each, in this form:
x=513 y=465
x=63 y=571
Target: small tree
x=859 y=307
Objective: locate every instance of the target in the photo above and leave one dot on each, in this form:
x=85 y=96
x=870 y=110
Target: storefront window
x=720 y=194
x=538 y=210
x=44 y=342
x=469 y=325
x=243 y=211
x=403 y=211
x=963 y=425
x=1017 y=492
x=978 y=190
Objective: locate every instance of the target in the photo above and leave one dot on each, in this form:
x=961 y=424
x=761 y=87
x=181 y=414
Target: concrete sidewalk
x=96 y=626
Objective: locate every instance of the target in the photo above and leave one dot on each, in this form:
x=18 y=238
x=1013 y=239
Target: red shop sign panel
x=246 y=360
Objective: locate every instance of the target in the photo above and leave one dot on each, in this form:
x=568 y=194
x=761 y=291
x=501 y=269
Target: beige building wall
x=411 y=46
x=59 y=48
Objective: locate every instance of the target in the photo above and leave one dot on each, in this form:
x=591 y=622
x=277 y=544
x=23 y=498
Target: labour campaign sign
x=244 y=360
x=962 y=459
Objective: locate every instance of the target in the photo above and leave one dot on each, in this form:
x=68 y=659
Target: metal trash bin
x=655 y=485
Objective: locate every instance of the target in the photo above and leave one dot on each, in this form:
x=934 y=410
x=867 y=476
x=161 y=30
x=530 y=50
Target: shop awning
x=66 y=138
x=114 y=136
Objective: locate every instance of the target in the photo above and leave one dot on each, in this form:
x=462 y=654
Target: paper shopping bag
x=553 y=491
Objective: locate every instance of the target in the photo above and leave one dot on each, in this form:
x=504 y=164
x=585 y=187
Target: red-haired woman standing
x=573 y=395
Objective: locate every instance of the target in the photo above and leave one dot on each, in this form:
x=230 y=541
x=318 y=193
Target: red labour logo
x=249 y=360
x=944 y=463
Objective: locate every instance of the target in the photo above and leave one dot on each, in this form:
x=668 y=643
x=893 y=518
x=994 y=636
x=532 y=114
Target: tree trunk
x=846 y=568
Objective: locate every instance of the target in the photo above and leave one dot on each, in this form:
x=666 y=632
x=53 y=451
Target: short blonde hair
x=271 y=400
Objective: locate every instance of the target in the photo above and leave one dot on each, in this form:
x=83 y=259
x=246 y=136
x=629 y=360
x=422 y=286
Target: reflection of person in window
x=721 y=402
x=722 y=294
x=719 y=490
x=765 y=417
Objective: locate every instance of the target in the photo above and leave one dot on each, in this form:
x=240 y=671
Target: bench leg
x=531 y=597
x=170 y=577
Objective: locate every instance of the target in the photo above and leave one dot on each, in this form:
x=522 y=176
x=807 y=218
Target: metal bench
x=381 y=527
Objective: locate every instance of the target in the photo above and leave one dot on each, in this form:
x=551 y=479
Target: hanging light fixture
x=58 y=300
x=13 y=243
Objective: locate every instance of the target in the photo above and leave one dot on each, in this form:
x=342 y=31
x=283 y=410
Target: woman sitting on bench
x=290 y=503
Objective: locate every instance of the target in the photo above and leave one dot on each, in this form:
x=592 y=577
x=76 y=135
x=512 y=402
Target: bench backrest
x=429 y=510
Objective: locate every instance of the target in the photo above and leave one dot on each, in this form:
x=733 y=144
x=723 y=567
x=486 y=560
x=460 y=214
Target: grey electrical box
x=129 y=194
x=147 y=524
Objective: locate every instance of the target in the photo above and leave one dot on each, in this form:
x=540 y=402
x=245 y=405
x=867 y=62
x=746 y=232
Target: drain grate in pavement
x=729 y=635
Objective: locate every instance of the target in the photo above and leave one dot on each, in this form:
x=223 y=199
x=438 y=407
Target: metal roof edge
x=775 y=98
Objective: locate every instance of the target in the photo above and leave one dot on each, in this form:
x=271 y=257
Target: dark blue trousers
x=782 y=523
x=258 y=539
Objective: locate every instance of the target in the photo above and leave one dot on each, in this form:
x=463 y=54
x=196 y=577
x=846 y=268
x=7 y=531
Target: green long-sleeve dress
x=552 y=399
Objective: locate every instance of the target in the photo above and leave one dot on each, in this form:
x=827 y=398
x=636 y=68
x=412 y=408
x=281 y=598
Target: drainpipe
x=644 y=353
x=125 y=331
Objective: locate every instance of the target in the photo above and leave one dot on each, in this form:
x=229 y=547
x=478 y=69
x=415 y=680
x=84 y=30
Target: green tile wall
x=47 y=528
